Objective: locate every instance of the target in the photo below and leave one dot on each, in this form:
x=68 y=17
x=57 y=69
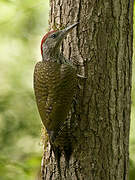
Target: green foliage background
x=22 y=25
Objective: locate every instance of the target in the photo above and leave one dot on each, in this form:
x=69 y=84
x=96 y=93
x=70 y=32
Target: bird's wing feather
x=41 y=88
x=54 y=86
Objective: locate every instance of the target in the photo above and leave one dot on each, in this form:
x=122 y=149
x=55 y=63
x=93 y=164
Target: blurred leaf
x=21 y=25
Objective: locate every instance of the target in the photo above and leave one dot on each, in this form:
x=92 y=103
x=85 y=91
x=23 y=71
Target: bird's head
x=50 y=44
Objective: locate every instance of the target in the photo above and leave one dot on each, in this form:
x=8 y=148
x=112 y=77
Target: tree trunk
x=102 y=44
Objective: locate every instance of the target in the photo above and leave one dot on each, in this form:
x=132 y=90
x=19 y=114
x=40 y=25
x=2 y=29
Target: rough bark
x=102 y=43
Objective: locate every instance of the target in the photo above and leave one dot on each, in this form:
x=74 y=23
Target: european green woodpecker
x=55 y=82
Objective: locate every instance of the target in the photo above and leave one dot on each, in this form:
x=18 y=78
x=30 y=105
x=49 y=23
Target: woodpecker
x=55 y=82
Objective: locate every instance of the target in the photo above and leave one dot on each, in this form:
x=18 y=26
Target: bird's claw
x=80 y=76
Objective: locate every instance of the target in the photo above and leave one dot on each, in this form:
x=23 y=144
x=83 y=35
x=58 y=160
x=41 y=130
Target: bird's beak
x=65 y=31
x=63 y=34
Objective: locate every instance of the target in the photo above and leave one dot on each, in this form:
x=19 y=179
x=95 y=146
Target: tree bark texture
x=102 y=44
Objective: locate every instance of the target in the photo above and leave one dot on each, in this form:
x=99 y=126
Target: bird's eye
x=53 y=36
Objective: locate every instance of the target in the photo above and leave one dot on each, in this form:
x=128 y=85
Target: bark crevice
x=100 y=118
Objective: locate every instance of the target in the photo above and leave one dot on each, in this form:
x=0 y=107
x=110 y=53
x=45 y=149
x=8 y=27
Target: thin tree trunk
x=100 y=119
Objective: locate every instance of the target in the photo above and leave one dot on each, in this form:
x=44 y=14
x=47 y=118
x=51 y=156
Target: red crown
x=44 y=38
